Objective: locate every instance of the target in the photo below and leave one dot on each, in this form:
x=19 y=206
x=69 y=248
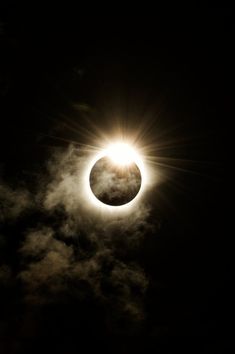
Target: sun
x=123 y=154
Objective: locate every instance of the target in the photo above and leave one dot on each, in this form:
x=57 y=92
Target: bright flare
x=121 y=153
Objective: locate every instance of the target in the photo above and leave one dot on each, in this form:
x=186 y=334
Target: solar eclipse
x=115 y=184
x=116 y=176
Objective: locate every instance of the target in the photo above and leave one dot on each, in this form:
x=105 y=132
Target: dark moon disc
x=114 y=184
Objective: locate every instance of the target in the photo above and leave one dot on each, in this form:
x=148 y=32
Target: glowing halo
x=121 y=153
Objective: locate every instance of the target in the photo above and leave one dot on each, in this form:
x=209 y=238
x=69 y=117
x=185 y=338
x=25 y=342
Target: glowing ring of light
x=130 y=155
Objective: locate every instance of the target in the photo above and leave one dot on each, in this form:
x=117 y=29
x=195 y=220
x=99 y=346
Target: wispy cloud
x=78 y=251
x=13 y=202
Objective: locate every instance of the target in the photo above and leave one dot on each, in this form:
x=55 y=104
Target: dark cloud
x=50 y=260
x=13 y=202
x=72 y=253
x=5 y=273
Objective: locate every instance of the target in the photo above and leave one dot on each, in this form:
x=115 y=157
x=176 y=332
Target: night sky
x=163 y=278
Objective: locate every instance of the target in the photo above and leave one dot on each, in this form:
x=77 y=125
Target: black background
x=173 y=67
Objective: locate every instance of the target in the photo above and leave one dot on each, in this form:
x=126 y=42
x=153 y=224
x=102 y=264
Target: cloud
x=13 y=202
x=115 y=282
x=73 y=251
x=49 y=262
x=5 y=274
x=53 y=268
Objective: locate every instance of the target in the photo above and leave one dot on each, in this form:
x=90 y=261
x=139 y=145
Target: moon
x=114 y=184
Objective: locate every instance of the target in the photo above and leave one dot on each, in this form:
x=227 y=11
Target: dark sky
x=172 y=67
